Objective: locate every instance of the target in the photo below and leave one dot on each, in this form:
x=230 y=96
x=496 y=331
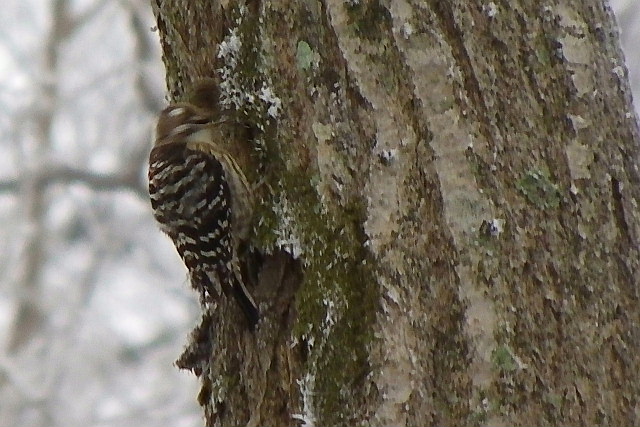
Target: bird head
x=181 y=122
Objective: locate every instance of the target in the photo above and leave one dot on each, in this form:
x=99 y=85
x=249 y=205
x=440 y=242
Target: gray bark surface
x=449 y=212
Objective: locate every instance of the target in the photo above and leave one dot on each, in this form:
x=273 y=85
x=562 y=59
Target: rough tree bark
x=448 y=215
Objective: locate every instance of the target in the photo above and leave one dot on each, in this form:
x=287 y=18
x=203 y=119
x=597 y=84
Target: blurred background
x=94 y=301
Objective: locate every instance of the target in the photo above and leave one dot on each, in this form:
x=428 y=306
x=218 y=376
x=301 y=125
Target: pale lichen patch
x=385 y=188
x=333 y=174
x=579 y=157
x=577 y=50
x=465 y=207
x=307 y=386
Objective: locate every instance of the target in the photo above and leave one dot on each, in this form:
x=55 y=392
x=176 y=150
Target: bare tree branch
x=143 y=52
x=96 y=181
x=28 y=316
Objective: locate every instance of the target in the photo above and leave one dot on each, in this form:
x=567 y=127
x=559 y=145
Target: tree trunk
x=448 y=212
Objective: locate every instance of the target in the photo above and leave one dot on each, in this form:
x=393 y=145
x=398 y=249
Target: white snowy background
x=94 y=304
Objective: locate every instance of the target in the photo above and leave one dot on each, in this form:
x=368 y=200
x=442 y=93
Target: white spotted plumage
x=202 y=201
